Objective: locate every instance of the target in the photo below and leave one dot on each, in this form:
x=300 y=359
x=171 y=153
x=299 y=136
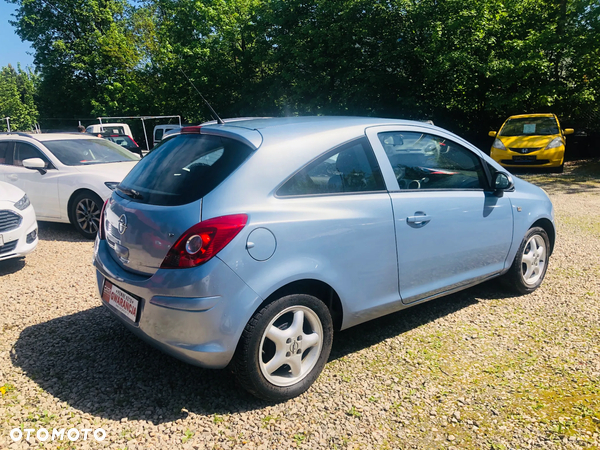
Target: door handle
x=12 y=177
x=419 y=219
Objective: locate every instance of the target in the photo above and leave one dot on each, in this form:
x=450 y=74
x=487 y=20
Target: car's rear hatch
x=162 y=196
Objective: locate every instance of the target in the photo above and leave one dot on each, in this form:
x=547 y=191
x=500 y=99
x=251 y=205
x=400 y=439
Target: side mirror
x=568 y=131
x=501 y=182
x=34 y=163
x=492 y=134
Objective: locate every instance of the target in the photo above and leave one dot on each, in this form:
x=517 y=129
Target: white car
x=161 y=130
x=67 y=176
x=18 y=227
x=113 y=128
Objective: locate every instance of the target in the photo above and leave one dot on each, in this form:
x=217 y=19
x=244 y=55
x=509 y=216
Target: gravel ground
x=478 y=369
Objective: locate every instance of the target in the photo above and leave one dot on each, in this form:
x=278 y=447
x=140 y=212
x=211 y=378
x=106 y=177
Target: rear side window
x=349 y=168
x=183 y=169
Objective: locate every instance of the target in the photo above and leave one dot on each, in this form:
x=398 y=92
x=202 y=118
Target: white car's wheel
x=85 y=214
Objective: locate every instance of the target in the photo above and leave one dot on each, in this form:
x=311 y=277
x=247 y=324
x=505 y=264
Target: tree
x=82 y=51
x=17 y=89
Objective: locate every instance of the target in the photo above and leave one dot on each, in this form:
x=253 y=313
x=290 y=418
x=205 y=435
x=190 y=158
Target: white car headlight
x=23 y=203
x=556 y=142
x=498 y=144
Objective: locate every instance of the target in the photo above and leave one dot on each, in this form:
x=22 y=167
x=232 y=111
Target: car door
x=41 y=188
x=340 y=210
x=451 y=230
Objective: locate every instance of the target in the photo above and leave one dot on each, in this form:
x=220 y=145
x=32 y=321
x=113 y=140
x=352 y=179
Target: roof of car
x=526 y=116
x=253 y=130
x=322 y=123
x=293 y=127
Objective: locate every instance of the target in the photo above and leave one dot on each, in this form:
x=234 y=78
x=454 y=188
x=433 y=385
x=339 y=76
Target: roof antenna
x=214 y=114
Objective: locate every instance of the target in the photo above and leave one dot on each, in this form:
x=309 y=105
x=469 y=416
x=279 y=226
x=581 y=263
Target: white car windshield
x=78 y=152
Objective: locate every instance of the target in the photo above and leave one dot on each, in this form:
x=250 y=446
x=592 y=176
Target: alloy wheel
x=290 y=346
x=87 y=214
x=534 y=259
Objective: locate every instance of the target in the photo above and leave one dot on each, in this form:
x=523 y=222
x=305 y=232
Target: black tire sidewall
x=246 y=360
x=73 y=213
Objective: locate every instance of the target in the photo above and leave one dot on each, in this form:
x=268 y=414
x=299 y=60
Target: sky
x=12 y=50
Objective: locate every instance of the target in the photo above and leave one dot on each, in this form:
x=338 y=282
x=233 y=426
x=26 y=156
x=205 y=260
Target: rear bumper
x=196 y=315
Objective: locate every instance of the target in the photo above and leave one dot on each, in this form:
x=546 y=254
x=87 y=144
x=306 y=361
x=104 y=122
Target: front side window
x=530 y=126
x=424 y=161
x=6 y=151
x=350 y=168
x=80 y=152
x=25 y=151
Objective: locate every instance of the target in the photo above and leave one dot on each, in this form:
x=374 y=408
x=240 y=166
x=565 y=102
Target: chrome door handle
x=419 y=220
x=12 y=177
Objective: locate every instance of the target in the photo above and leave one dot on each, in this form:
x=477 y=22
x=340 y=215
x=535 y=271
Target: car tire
x=284 y=347
x=85 y=213
x=530 y=264
x=558 y=169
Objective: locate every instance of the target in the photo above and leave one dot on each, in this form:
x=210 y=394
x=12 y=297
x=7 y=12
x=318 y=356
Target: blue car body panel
x=368 y=247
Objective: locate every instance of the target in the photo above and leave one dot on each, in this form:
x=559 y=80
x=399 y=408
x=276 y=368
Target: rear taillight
x=193 y=129
x=203 y=241
x=101 y=231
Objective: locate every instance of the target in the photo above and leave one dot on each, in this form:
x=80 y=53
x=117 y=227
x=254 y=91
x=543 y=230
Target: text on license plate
x=120 y=300
x=524 y=158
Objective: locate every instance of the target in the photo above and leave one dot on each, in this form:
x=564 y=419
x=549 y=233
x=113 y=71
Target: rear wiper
x=131 y=193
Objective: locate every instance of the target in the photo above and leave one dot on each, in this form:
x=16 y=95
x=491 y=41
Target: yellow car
x=530 y=140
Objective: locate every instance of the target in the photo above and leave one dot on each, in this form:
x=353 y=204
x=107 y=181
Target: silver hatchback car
x=248 y=243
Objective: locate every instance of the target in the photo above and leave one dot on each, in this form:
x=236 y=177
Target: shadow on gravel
x=9 y=266
x=52 y=231
x=378 y=330
x=92 y=363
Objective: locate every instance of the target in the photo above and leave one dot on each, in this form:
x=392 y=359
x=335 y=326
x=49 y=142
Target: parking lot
x=477 y=369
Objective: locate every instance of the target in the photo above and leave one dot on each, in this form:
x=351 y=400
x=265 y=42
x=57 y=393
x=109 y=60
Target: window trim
x=328 y=153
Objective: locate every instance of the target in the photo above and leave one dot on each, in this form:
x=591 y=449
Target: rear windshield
x=123 y=141
x=530 y=126
x=183 y=169
x=80 y=152
x=115 y=130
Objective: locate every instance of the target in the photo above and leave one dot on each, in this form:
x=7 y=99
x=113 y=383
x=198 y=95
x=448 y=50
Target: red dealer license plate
x=120 y=300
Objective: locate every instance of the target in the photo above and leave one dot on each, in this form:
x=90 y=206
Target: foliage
x=17 y=88
x=465 y=65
